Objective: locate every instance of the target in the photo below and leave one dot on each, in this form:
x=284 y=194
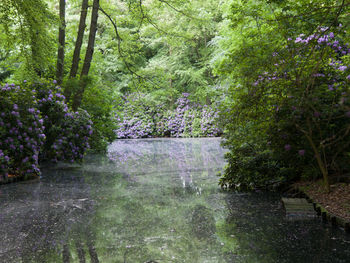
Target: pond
x=154 y=200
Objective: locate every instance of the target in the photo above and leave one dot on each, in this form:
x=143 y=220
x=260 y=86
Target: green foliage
x=161 y=48
x=289 y=80
x=99 y=102
x=25 y=38
x=253 y=166
x=251 y=163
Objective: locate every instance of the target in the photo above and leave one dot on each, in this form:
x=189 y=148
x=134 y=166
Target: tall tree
x=91 y=43
x=77 y=48
x=79 y=41
x=61 y=42
x=88 y=56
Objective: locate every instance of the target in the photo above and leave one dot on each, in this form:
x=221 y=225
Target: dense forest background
x=272 y=77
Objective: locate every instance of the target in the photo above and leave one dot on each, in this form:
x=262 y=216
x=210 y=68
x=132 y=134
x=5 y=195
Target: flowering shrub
x=178 y=123
x=301 y=103
x=208 y=122
x=35 y=124
x=21 y=131
x=312 y=122
x=142 y=119
x=67 y=132
x=139 y=118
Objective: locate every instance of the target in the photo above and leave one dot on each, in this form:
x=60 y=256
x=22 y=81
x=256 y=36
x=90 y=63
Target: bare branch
x=115 y=28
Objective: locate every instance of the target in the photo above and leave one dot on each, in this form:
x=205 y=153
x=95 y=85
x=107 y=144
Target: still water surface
x=154 y=200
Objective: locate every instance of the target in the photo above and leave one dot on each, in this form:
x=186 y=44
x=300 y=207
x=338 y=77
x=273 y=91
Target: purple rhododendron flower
x=301 y=152
x=287 y=147
x=342 y=68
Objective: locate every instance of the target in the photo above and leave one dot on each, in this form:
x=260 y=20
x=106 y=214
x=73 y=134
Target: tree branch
x=177 y=10
x=120 y=52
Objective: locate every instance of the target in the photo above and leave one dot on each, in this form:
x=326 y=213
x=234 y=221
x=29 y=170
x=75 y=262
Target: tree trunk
x=61 y=42
x=79 y=41
x=92 y=36
x=322 y=165
x=88 y=56
x=77 y=48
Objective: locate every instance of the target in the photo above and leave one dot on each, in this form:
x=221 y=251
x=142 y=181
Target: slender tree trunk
x=77 y=48
x=321 y=164
x=79 y=41
x=61 y=42
x=88 y=56
x=92 y=36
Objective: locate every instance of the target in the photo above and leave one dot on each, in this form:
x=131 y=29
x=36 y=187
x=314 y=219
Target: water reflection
x=39 y=219
x=153 y=200
x=267 y=236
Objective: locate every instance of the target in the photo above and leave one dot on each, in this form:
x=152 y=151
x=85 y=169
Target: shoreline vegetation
x=36 y=125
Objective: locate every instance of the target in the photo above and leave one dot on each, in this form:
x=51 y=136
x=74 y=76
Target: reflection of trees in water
x=177 y=226
x=189 y=158
x=202 y=222
x=75 y=215
x=44 y=220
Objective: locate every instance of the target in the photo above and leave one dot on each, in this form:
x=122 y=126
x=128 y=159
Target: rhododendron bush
x=142 y=119
x=312 y=118
x=67 y=132
x=21 y=131
x=289 y=98
x=36 y=125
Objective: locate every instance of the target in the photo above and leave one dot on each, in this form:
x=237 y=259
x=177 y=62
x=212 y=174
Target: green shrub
x=251 y=166
x=98 y=101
